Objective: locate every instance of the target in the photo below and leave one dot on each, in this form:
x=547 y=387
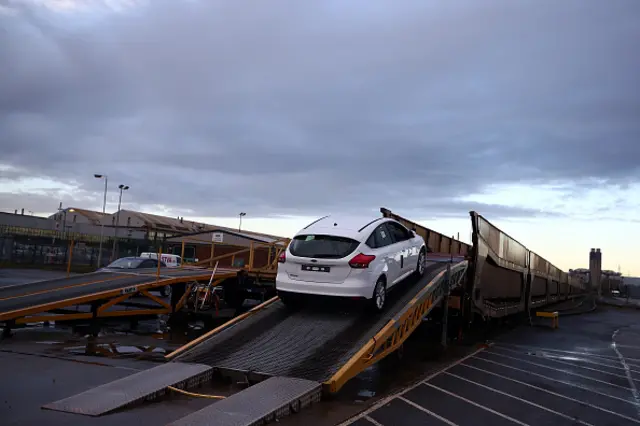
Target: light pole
x=104 y=207
x=115 y=236
x=240 y=224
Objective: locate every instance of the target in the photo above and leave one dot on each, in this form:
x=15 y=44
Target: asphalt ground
x=29 y=381
x=587 y=372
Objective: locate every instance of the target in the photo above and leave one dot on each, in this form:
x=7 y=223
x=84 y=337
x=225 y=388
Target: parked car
x=343 y=257
x=137 y=263
x=171 y=260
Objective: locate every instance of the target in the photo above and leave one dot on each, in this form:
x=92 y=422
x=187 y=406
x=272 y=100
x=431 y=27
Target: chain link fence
x=52 y=252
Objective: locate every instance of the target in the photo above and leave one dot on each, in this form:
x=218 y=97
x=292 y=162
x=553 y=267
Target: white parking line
x=622 y=376
x=431 y=413
x=555 y=380
x=519 y=399
x=632 y=347
x=372 y=421
x=609 y=357
x=477 y=405
x=550 y=392
x=562 y=371
x=553 y=356
x=634 y=390
x=388 y=399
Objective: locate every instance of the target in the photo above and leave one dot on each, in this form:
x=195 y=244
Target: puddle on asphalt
x=117 y=350
x=148 y=339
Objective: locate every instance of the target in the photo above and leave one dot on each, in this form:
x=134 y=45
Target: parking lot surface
x=585 y=373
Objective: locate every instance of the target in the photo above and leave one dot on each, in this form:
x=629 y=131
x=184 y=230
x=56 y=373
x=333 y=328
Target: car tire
x=165 y=291
x=290 y=301
x=379 y=299
x=421 y=266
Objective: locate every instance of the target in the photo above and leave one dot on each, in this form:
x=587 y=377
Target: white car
x=170 y=260
x=343 y=257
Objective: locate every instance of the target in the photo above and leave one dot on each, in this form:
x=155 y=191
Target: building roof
x=189 y=227
x=205 y=237
x=166 y=223
x=173 y=224
x=194 y=228
x=92 y=215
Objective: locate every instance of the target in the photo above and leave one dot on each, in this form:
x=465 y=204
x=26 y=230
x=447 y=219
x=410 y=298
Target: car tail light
x=361 y=261
x=282 y=258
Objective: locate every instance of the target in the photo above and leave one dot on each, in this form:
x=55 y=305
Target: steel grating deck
x=266 y=401
x=309 y=344
x=129 y=390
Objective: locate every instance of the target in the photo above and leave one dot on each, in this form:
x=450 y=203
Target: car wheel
x=290 y=301
x=165 y=291
x=422 y=263
x=379 y=299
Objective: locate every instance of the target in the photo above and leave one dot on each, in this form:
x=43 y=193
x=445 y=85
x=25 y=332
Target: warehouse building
x=28 y=239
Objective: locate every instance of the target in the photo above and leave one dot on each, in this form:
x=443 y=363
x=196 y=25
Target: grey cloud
x=298 y=107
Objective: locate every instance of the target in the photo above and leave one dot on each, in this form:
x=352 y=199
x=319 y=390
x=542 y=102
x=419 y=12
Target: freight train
x=504 y=277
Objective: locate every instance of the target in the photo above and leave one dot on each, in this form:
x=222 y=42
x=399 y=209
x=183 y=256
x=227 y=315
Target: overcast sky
x=526 y=111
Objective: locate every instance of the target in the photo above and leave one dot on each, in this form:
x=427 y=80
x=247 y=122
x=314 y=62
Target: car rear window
x=322 y=246
x=125 y=263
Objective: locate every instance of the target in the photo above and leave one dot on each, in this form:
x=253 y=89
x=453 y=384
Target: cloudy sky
x=527 y=111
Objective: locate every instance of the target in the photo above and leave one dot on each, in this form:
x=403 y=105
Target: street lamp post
x=104 y=208
x=240 y=224
x=115 y=236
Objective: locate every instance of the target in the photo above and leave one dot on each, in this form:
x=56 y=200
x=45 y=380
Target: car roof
x=356 y=228
x=134 y=258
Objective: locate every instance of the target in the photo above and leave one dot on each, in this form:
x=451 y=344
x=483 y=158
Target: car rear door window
x=322 y=246
x=380 y=237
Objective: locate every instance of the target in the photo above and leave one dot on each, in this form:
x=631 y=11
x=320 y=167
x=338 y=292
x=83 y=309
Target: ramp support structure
x=445 y=305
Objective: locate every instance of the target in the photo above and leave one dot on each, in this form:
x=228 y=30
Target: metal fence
x=51 y=252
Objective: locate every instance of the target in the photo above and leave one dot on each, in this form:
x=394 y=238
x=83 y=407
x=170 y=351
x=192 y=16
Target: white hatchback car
x=356 y=259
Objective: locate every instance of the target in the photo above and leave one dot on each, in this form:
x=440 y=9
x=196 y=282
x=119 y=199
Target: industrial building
x=28 y=239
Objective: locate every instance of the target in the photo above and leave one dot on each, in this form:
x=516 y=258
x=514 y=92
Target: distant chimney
x=22 y=212
x=15 y=211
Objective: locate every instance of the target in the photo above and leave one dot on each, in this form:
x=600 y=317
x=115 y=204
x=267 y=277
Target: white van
x=171 y=260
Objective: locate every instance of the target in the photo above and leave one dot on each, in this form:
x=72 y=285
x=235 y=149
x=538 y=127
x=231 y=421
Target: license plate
x=316 y=268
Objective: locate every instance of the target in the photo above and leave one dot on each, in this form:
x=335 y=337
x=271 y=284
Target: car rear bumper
x=360 y=287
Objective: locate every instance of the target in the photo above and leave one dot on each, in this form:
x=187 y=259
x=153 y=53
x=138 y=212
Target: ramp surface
x=52 y=284
x=309 y=344
x=25 y=296
x=132 y=389
x=266 y=401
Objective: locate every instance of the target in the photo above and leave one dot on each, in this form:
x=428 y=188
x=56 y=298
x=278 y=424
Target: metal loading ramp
x=47 y=300
x=325 y=347
x=267 y=401
x=129 y=390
